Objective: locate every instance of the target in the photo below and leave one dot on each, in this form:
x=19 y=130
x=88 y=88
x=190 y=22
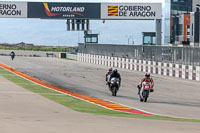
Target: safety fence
x=168 y=54
x=168 y=69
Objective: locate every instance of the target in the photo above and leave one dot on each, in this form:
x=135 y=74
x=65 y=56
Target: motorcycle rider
x=12 y=54
x=108 y=76
x=146 y=79
x=116 y=75
x=108 y=73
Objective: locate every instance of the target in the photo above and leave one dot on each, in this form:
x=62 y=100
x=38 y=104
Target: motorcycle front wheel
x=145 y=95
x=114 y=91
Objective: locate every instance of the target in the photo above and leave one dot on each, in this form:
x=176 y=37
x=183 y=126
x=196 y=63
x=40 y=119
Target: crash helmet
x=110 y=69
x=115 y=71
x=147 y=75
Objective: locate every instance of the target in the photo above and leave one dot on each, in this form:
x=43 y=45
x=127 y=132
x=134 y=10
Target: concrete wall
x=36 y=53
x=110 y=49
x=27 y=53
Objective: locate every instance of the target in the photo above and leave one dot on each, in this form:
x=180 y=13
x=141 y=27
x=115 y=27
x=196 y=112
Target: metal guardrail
x=168 y=54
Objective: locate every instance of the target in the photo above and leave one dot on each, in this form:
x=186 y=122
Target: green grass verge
x=77 y=104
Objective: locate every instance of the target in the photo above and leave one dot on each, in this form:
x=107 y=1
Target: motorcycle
x=114 y=86
x=12 y=57
x=144 y=92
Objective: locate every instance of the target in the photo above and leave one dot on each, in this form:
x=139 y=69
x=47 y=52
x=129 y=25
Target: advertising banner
x=13 y=9
x=64 y=10
x=131 y=11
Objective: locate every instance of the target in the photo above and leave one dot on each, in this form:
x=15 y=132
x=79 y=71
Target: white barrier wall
x=120 y=62
x=154 y=67
x=135 y=65
x=127 y=64
x=169 y=69
x=177 y=70
x=159 y=68
x=165 y=69
x=190 y=72
x=183 y=72
x=87 y=58
x=106 y=61
x=109 y=61
x=140 y=65
x=197 y=73
x=112 y=60
x=103 y=60
x=123 y=62
x=131 y=64
x=83 y=58
x=144 y=66
x=149 y=66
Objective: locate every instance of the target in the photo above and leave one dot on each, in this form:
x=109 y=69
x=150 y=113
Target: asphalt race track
x=172 y=97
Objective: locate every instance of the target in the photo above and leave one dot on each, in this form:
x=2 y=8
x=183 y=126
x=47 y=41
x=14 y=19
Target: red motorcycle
x=144 y=91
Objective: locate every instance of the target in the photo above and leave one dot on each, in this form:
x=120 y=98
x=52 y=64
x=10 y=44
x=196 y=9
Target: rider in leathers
x=116 y=75
x=12 y=54
x=146 y=79
x=108 y=76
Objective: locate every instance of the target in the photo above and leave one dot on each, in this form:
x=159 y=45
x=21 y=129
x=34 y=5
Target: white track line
x=32 y=93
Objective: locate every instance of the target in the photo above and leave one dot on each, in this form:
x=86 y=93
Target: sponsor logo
x=48 y=11
x=9 y=10
x=65 y=11
x=131 y=11
x=112 y=10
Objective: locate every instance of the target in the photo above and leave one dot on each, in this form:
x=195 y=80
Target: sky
x=54 y=32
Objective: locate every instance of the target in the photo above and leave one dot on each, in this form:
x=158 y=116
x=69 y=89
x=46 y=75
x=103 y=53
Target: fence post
x=190 y=72
x=119 y=62
x=154 y=67
x=131 y=64
x=127 y=63
x=78 y=57
x=115 y=62
x=140 y=65
x=165 y=69
x=170 y=69
x=135 y=64
x=177 y=70
x=149 y=66
x=159 y=68
x=123 y=62
x=144 y=66
x=197 y=73
x=106 y=61
x=92 y=59
x=183 y=72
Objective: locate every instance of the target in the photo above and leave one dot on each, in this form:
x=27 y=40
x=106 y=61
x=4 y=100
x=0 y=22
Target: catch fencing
x=164 y=54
